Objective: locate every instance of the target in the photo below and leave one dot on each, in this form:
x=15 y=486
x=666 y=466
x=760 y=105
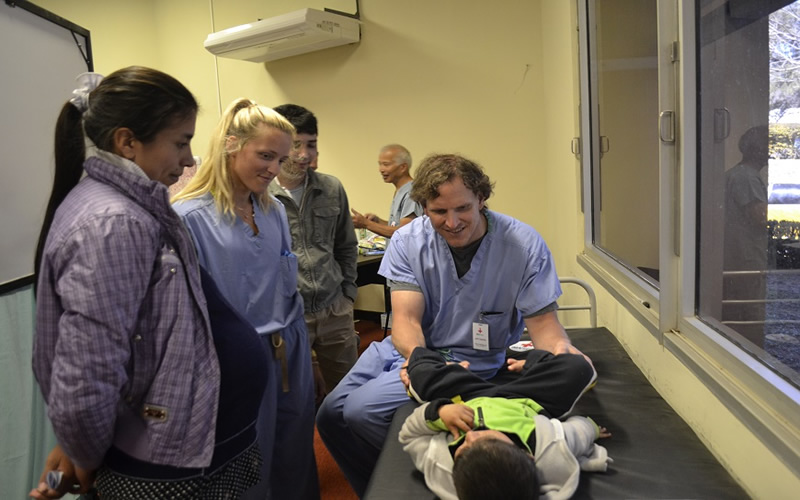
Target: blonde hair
x=242 y=120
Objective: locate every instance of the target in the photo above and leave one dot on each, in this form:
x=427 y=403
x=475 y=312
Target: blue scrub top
x=512 y=275
x=257 y=273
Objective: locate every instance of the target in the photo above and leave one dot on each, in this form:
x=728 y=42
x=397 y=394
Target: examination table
x=656 y=455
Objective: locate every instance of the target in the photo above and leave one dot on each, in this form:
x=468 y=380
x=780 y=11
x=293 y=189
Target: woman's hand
x=73 y=480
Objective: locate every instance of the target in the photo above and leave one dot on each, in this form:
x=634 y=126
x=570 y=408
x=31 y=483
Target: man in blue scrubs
x=465 y=282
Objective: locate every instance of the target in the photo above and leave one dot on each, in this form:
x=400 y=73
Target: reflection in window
x=749 y=177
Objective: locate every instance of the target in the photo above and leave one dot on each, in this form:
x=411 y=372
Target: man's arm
x=547 y=333
x=407 y=309
x=379 y=226
x=368 y=216
x=376 y=218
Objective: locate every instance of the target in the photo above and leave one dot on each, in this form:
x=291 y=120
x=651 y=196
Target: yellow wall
x=495 y=81
x=454 y=79
x=123 y=32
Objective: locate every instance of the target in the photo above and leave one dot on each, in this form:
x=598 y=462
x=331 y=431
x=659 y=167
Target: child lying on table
x=504 y=445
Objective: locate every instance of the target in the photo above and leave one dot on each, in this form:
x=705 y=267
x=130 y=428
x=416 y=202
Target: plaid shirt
x=123 y=351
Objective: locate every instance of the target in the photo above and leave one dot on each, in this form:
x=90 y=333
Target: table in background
x=367 y=269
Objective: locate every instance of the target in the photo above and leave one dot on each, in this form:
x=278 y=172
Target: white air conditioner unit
x=298 y=32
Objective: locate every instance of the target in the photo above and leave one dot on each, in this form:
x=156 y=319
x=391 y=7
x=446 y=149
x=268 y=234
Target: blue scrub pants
x=354 y=418
x=286 y=424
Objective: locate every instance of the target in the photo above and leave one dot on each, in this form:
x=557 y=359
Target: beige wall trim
x=759 y=406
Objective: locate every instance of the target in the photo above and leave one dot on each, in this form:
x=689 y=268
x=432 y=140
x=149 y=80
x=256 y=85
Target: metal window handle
x=575 y=147
x=605 y=145
x=666 y=127
x=722 y=124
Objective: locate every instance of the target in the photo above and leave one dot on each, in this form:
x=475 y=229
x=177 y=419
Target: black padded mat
x=656 y=455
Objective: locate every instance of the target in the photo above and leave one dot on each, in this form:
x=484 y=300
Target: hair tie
x=87 y=82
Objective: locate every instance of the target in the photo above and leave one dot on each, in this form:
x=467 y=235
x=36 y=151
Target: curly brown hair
x=436 y=169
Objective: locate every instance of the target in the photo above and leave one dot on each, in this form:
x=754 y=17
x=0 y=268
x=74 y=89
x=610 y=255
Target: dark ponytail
x=69 y=155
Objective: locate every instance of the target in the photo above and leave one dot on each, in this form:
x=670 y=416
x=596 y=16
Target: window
x=749 y=231
x=690 y=128
x=624 y=68
x=748 y=162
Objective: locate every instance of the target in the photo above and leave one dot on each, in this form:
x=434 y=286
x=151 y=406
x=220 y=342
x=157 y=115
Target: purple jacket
x=123 y=351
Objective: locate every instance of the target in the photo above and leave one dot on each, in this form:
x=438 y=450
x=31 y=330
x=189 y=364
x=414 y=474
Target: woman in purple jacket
x=134 y=373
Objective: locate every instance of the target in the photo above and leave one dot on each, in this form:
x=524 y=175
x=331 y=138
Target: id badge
x=480 y=336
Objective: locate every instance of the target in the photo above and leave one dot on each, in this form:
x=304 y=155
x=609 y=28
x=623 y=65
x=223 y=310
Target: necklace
x=246 y=213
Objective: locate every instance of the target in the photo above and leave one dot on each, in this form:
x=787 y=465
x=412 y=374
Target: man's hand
x=566 y=347
x=547 y=333
x=404 y=375
x=359 y=220
x=74 y=479
x=515 y=365
x=457 y=418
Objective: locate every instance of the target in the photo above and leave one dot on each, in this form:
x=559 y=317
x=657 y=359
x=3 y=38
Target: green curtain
x=27 y=435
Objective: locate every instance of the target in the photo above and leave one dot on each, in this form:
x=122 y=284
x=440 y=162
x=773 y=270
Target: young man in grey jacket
x=325 y=243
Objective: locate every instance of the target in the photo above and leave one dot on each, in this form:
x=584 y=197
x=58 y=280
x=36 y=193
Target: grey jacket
x=324 y=240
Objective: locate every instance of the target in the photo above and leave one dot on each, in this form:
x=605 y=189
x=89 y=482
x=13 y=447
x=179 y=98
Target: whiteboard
x=40 y=58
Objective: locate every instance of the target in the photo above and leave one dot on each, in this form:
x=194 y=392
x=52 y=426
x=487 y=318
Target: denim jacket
x=123 y=351
x=324 y=240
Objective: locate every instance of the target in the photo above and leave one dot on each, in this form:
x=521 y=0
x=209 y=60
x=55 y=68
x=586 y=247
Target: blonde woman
x=243 y=241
